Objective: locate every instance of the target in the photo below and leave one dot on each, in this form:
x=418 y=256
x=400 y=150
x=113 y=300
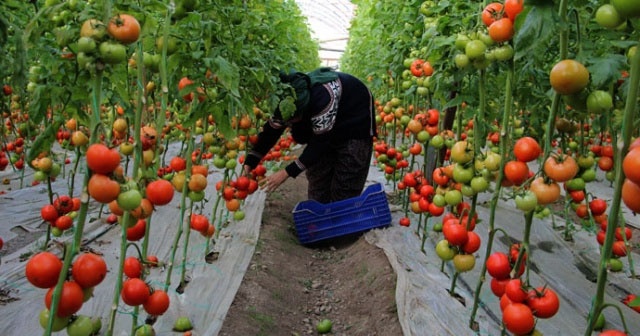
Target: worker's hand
x=273 y=181
x=246 y=170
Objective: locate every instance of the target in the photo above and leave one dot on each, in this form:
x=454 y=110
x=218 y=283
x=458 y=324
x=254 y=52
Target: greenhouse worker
x=334 y=116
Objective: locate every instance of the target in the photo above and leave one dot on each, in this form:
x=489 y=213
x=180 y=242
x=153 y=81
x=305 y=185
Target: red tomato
x=157 y=303
x=597 y=206
x=134 y=292
x=516 y=172
x=514 y=291
x=499 y=265
x=159 y=192
x=473 y=243
x=71 y=299
x=89 y=270
x=512 y=8
x=631 y=165
x=543 y=302
x=518 y=318
x=101 y=159
x=43 y=269
x=137 y=231
x=498 y=286
x=132 y=267
x=527 y=149
x=455 y=233
x=630 y=192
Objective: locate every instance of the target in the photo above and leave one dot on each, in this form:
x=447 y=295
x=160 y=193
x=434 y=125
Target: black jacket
x=339 y=110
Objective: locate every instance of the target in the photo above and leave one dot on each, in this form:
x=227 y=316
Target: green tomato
x=112 y=52
x=586 y=161
x=479 y=184
x=324 y=326
x=453 y=197
x=599 y=101
x=600 y=322
x=39 y=176
x=526 y=201
x=86 y=45
x=196 y=196
x=607 y=16
x=615 y=265
x=423 y=136
x=467 y=191
x=145 y=330
x=182 y=324
x=238 y=215
x=422 y=91
x=504 y=53
x=437 y=141
x=129 y=200
x=588 y=175
x=97 y=325
x=439 y=200
x=231 y=164
x=461 y=41
x=59 y=323
x=462 y=174
x=492 y=161
x=172 y=46
x=576 y=184
x=81 y=326
x=627 y=8
x=461 y=60
x=444 y=250
x=55 y=170
x=475 y=49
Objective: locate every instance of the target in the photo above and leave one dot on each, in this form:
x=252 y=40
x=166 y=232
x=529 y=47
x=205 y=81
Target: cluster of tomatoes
x=15 y=150
x=390 y=159
x=87 y=271
x=197 y=181
x=459 y=241
x=135 y=291
x=417 y=73
x=421 y=195
x=479 y=48
x=61 y=213
x=520 y=304
x=106 y=42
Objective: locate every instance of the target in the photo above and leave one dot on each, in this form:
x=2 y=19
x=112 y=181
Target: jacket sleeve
x=267 y=138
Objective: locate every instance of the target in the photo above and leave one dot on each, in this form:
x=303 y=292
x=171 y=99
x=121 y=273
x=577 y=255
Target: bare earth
x=288 y=288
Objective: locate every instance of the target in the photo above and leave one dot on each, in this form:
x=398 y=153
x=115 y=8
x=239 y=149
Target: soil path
x=288 y=288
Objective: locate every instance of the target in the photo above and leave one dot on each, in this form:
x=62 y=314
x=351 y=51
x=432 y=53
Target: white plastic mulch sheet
x=569 y=268
x=205 y=300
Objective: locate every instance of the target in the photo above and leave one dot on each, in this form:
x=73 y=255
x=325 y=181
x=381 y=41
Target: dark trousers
x=342 y=173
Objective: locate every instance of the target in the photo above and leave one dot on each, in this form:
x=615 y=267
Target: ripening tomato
x=124 y=27
x=42 y=269
x=630 y=192
x=70 y=301
x=89 y=270
x=561 y=168
x=546 y=193
x=103 y=189
x=134 y=292
x=501 y=30
x=631 y=165
x=568 y=77
x=492 y=12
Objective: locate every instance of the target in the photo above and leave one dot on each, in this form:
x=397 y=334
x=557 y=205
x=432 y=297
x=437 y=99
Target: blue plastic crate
x=316 y=221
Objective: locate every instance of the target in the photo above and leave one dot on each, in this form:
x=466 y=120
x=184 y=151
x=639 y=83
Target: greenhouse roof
x=329 y=22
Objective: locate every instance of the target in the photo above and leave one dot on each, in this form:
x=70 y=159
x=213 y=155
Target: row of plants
x=99 y=93
x=531 y=101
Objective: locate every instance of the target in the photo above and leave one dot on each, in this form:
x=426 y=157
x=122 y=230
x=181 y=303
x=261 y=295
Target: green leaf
x=228 y=74
x=287 y=107
x=533 y=29
x=44 y=141
x=606 y=70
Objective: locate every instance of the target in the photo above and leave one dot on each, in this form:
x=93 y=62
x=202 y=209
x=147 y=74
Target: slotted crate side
x=316 y=221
